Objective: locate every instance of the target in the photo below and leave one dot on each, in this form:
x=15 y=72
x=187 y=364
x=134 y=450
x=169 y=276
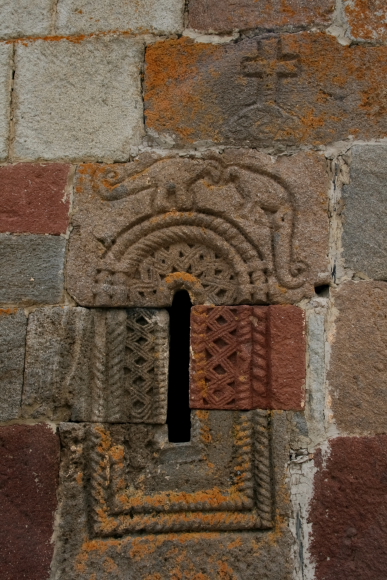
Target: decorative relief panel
x=221 y=480
x=247 y=357
x=230 y=228
x=97 y=365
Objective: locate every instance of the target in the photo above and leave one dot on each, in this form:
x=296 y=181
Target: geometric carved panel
x=231 y=228
x=247 y=357
x=221 y=480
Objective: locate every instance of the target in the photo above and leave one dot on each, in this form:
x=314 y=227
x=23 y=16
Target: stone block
x=33 y=198
x=358 y=370
x=31 y=269
x=229 y=228
x=366 y=20
x=348 y=512
x=179 y=487
x=29 y=457
x=96 y=365
x=135 y=16
x=268 y=91
x=210 y=15
x=25 y=18
x=365 y=212
x=247 y=357
x=5 y=96
x=13 y=325
x=78 y=99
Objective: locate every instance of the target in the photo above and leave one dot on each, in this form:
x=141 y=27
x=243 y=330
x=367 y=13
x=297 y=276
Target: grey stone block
x=365 y=212
x=140 y=16
x=13 y=325
x=78 y=100
x=25 y=18
x=5 y=96
x=31 y=269
x=97 y=365
x=107 y=469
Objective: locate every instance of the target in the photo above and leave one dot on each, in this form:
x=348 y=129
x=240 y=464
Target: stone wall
x=237 y=150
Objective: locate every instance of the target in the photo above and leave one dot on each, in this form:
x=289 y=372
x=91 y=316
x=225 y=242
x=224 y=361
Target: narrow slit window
x=179 y=413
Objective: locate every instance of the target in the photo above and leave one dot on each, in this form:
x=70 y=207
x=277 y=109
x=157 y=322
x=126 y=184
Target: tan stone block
x=232 y=228
x=358 y=372
x=229 y=15
x=367 y=19
x=271 y=91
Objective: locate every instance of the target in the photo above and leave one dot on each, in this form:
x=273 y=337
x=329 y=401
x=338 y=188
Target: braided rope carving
x=116 y=336
x=259 y=357
x=99 y=367
x=99 y=443
x=262 y=467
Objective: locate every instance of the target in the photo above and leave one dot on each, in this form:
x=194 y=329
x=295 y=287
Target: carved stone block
x=133 y=504
x=231 y=228
x=97 y=365
x=248 y=357
x=269 y=91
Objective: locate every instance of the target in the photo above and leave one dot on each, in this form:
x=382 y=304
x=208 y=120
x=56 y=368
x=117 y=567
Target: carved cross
x=271 y=65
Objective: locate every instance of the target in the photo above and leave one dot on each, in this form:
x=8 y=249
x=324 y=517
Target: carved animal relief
x=228 y=228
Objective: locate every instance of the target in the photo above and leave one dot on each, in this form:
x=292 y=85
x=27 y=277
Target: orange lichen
x=6 y=311
x=368 y=20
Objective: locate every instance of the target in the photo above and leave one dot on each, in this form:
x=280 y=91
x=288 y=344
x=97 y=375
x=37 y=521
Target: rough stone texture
x=247 y=357
x=25 y=18
x=96 y=365
x=137 y=16
x=358 y=371
x=231 y=228
x=187 y=472
x=31 y=269
x=349 y=510
x=5 y=96
x=78 y=99
x=265 y=91
x=365 y=212
x=367 y=19
x=13 y=325
x=211 y=15
x=29 y=457
x=33 y=198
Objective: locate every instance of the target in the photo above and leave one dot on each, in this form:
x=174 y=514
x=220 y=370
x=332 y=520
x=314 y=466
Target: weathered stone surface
x=29 y=457
x=367 y=20
x=25 y=18
x=365 y=212
x=78 y=99
x=231 y=228
x=187 y=489
x=210 y=15
x=266 y=91
x=96 y=365
x=141 y=16
x=5 y=96
x=33 y=198
x=31 y=269
x=13 y=325
x=358 y=371
x=349 y=511
x=247 y=357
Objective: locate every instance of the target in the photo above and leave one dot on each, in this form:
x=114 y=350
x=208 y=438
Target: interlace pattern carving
x=229 y=357
x=129 y=366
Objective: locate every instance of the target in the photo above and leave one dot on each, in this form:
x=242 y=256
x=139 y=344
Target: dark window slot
x=179 y=413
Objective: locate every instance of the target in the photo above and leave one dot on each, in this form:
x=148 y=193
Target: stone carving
x=223 y=227
x=97 y=365
x=129 y=465
x=238 y=355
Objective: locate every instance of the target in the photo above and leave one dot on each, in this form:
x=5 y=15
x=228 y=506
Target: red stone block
x=228 y=15
x=29 y=460
x=247 y=357
x=349 y=510
x=33 y=198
